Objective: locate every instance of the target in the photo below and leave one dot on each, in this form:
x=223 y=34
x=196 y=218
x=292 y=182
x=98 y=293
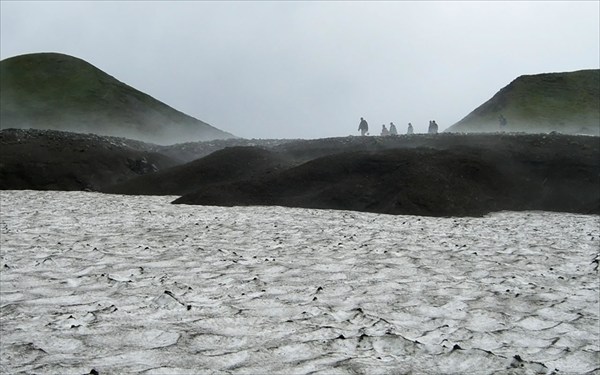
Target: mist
x=312 y=69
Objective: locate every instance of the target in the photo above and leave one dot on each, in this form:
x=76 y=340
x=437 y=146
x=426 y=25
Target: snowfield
x=134 y=284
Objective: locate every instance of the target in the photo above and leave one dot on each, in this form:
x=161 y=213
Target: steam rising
x=312 y=69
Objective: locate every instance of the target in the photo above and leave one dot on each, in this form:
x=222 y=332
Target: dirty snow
x=122 y=284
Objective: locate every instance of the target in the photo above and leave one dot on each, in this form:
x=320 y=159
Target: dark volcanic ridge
x=229 y=165
x=435 y=175
x=35 y=159
x=54 y=160
x=551 y=173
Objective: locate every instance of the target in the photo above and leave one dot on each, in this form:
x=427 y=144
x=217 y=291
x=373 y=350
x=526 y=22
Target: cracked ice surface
x=135 y=284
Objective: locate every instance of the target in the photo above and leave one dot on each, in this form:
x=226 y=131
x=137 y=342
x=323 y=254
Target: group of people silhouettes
x=433 y=127
x=363 y=127
x=392 y=130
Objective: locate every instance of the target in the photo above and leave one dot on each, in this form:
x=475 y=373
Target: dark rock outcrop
x=439 y=175
x=221 y=167
x=54 y=160
x=522 y=172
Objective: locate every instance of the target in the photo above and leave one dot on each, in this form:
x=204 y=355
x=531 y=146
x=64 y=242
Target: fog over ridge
x=311 y=70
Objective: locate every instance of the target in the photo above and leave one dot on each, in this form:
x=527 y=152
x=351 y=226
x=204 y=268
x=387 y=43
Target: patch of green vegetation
x=562 y=102
x=56 y=91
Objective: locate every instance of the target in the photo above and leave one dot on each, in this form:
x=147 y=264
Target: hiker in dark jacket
x=363 y=126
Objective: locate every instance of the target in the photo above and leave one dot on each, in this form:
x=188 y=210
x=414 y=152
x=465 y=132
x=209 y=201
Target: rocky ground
x=447 y=174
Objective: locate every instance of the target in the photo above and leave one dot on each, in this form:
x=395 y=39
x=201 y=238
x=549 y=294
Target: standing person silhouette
x=393 y=130
x=410 y=129
x=384 y=131
x=502 y=121
x=363 y=126
x=433 y=127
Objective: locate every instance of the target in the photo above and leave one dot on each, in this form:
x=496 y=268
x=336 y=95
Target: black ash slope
x=224 y=166
x=438 y=175
x=457 y=181
x=55 y=160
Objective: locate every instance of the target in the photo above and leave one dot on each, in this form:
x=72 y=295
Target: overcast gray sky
x=294 y=69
